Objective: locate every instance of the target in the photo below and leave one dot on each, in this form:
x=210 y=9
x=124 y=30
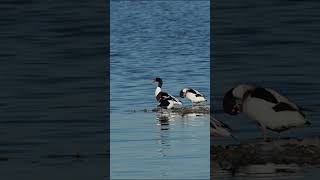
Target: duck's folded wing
x=283 y=99
x=197 y=93
x=164 y=95
x=174 y=98
x=164 y=101
x=286 y=107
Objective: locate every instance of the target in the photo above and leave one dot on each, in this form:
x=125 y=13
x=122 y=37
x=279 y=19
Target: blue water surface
x=167 y=39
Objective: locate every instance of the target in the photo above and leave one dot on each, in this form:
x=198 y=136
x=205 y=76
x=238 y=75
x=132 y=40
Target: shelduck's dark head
x=230 y=104
x=232 y=101
x=158 y=82
x=183 y=92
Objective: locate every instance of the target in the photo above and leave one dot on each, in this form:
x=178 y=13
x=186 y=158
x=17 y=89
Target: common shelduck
x=266 y=106
x=166 y=101
x=192 y=94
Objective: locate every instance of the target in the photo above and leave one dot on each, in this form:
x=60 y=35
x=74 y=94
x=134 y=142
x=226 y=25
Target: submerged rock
x=283 y=151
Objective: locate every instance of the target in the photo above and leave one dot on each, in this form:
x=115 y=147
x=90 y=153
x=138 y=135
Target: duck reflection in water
x=163 y=120
x=163 y=134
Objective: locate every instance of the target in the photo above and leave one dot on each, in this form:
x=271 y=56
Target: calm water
x=52 y=103
x=169 y=39
x=273 y=44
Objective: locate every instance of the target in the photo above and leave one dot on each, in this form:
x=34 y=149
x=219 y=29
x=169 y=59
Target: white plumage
x=263 y=112
x=193 y=95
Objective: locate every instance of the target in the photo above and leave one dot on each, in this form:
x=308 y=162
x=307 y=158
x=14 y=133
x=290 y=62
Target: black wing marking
x=173 y=98
x=164 y=102
x=168 y=97
x=286 y=107
x=192 y=91
x=164 y=94
x=283 y=107
x=264 y=94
